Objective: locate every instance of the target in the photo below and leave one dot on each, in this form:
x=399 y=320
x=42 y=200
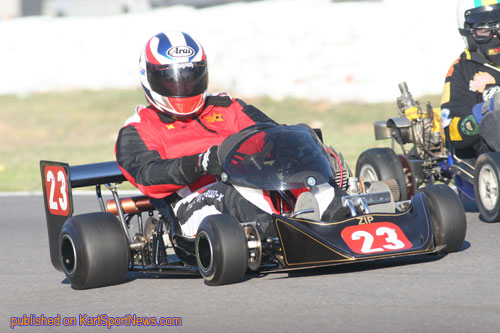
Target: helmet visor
x=483 y=14
x=483 y=32
x=179 y=79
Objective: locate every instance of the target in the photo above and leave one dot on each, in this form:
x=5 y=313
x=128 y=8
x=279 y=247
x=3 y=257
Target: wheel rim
x=488 y=187
x=368 y=173
x=68 y=255
x=204 y=252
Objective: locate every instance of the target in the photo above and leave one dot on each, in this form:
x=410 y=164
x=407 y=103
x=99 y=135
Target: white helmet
x=471 y=12
x=174 y=74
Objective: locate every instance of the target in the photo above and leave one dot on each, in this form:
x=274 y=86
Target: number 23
x=392 y=241
x=63 y=199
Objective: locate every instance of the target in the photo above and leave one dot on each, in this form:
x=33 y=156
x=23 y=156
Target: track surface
x=459 y=292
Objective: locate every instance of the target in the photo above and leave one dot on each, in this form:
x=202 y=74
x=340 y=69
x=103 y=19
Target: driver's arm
x=138 y=156
x=457 y=103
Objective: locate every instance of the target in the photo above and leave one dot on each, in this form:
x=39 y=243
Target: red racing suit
x=159 y=154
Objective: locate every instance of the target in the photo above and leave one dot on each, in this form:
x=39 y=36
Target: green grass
x=81 y=127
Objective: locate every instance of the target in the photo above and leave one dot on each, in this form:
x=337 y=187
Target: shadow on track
x=304 y=272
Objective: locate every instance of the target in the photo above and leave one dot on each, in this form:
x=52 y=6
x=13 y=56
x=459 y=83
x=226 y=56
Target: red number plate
x=57 y=190
x=375 y=238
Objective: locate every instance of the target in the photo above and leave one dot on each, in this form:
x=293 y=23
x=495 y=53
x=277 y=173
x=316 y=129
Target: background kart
x=99 y=248
x=425 y=159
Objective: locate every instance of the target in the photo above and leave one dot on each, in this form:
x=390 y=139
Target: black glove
x=208 y=162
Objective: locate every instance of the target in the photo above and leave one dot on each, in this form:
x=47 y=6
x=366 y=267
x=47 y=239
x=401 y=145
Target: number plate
x=375 y=238
x=57 y=190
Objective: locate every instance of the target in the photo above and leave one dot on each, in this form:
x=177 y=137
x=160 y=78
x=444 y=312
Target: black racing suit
x=469 y=81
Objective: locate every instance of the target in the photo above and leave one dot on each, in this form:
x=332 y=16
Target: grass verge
x=81 y=127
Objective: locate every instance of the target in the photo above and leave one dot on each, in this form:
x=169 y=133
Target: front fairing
x=330 y=243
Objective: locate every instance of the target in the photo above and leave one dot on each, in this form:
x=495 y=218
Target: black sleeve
x=146 y=166
x=459 y=99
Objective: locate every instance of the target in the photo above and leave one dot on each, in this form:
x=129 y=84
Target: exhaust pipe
x=130 y=205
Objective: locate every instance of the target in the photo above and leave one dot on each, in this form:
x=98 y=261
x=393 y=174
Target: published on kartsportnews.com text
x=84 y=320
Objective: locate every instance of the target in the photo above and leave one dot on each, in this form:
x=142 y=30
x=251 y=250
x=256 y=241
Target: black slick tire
x=94 y=250
x=449 y=223
x=382 y=164
x=221 y=250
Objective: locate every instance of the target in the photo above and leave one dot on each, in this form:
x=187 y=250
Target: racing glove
x=208 y=162
x=480 y=109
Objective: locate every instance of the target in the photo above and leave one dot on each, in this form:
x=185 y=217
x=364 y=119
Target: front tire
x=382 y=164
x=486 y=186
x=94 y=250
x=449 y=223
x=221 y=250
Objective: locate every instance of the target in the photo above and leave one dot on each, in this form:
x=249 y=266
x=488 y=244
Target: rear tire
x=94 y=250
x=449 y=223
x=486 y=186
x=221 y=250
x=382 y=164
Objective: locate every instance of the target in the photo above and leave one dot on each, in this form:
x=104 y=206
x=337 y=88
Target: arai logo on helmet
x=180 y=51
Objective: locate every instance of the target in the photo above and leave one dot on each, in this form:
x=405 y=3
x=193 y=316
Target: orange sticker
x=452 y=68
x=214 y=117
x=494 y=51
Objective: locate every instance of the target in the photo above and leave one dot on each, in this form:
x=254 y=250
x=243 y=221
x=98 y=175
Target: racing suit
x=469 y=82
x=159 y=155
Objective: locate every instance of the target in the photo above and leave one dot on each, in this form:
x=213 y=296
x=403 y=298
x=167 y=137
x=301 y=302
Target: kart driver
x=473 y=81
x=170 y=146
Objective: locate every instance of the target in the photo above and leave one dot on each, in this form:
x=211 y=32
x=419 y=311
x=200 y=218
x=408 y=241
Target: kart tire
x=449 y=223
x=486 y=186
x=94 y=250
x=382 y=164
x=221 y=250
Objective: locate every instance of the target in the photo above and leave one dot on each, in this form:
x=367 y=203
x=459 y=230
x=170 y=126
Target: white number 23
x=392 y=241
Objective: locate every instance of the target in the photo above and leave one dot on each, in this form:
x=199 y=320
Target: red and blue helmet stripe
x=158 y=48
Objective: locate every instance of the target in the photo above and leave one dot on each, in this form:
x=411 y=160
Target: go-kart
x=99 y=248
x=425 y=158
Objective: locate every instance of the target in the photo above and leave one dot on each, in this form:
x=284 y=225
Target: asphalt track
x=459 y=292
